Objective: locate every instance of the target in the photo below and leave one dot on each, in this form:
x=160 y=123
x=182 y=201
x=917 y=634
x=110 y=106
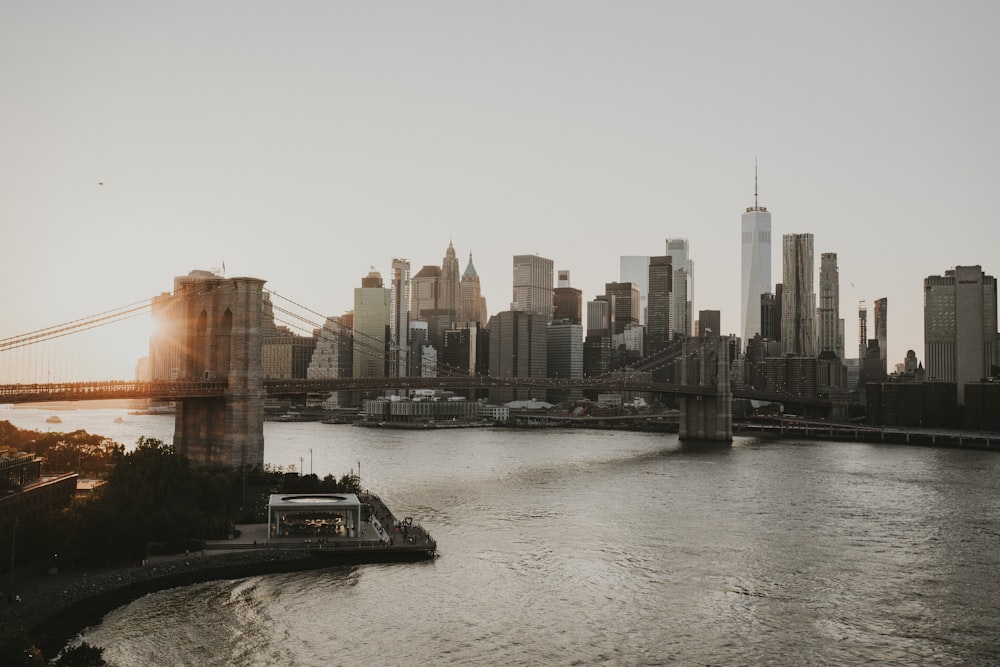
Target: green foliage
x=154 y=500
x=152 y=496
x=90 y=455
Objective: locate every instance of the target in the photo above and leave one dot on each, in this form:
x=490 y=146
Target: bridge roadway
x=167 y=390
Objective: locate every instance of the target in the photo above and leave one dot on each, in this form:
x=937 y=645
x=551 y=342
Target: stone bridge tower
x=705 y=362
x=215 y=324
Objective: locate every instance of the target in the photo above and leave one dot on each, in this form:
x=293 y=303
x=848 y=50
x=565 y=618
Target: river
x=605 y=548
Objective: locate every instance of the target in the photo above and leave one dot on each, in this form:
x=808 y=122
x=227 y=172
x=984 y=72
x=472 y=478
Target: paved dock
x=384 y=532
x=53 y=606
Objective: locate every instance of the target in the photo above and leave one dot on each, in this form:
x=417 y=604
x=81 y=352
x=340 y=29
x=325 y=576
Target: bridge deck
x=88 y=391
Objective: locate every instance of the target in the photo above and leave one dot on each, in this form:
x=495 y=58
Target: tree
x=155 y=496
x=83 y=655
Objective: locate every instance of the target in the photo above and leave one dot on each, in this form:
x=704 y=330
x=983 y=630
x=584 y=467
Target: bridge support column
x=838 y=411
x=218 y=323
x=705 y=362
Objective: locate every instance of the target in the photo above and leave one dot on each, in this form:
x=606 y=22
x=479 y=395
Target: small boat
x=54 y=419
x=119 y=420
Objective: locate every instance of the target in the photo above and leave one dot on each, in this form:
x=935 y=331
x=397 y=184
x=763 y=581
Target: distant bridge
x=212 y=340
x=176 y=390
x=167 y=390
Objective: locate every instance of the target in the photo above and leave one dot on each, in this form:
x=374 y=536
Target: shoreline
x=57 y=607
x=73 y=602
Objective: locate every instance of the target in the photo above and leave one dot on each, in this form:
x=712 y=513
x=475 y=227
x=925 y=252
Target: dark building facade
x=564 y=357
x=982 y=406
x=568 y=304
x=626 y=304
x=922 y=404
x=881 y=332
x=709 y=322
x=465 y=352
x=518 y=348
x=770 y=315
x=791 y=375
x=658 y=304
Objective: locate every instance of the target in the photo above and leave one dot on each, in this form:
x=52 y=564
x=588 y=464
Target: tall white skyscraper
x=756 y=263
x=682 y=292
x=635 y=269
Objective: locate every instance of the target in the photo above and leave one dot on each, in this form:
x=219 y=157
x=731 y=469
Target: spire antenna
x=755 y=204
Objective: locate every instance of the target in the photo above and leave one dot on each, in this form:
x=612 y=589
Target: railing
x=84 y=391
x=295 y=387
x=173 y=390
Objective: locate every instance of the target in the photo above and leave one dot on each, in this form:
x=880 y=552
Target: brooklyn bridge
x=214 y=345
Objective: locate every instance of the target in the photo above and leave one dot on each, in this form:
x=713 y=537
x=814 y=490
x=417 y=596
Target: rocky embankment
x=55 y=612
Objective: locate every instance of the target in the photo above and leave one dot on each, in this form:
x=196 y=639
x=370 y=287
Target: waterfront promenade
x=53 y=607
x=847 y=432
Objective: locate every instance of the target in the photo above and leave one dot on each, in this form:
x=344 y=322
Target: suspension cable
x=75 y=326
x=368 y=344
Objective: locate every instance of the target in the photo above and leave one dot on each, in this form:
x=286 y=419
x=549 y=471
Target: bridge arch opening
x=223 y=344
x=199 y=347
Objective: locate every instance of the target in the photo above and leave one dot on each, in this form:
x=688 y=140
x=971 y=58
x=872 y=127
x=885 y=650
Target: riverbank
x=55 y=607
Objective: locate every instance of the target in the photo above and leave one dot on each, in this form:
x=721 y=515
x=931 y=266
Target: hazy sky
x=305 y=142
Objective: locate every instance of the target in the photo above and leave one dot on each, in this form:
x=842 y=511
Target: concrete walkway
x=56 y=604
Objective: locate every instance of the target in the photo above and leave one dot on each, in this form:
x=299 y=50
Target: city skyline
x=141 y=145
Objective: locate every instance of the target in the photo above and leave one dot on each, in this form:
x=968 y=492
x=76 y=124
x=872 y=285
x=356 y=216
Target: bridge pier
x=705 y=362
x=215 y=332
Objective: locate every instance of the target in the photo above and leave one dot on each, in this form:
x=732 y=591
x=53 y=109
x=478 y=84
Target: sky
x=305 y=143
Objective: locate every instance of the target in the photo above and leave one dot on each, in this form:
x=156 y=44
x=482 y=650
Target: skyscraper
x=399 y=303
x=424 y=291
x=862 y=329
x=567 y=301
x=600 y=329
x=798 y=307
x=683 y=287
x=658 y=310
x=371 y=327
x=756 y=264
x=770 y=316
x=450 y=294
x=881 y=331
x=601 y=317
x=564 y=356
x=831 y=338
x=626 y=304
x=518 y=348
x=332 y=356
x=459 y=350
x=473 y=304
x=960 y=326
x=533 y=284
x=635 y=269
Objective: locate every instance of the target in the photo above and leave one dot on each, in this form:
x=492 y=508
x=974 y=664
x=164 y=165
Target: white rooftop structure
x=313 y=515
